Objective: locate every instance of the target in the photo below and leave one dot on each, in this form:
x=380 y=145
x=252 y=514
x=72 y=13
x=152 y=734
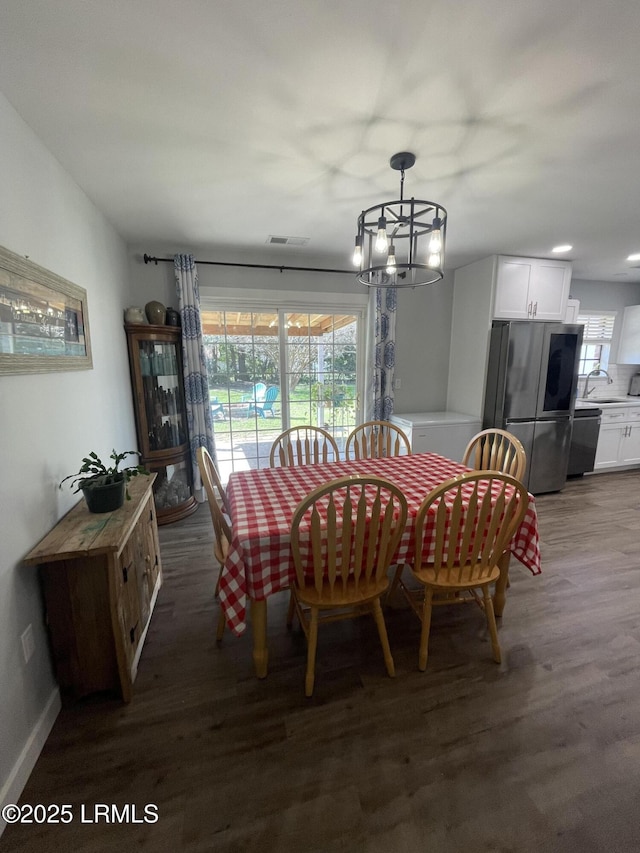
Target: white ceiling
x=215 y=123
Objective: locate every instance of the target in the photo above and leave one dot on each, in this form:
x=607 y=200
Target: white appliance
x=446 y=433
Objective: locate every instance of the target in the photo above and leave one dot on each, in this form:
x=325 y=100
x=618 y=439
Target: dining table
x=262 y=503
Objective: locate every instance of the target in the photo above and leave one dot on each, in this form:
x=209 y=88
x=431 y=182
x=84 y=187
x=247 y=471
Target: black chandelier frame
x=409 y=224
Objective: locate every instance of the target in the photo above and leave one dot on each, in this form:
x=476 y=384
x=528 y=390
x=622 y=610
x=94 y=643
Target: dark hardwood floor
x=541 y=753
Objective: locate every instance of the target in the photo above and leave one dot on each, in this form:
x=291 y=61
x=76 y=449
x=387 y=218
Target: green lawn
x=303 y=411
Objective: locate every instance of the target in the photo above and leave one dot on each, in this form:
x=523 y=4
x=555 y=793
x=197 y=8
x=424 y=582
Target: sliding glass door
x=269 y=370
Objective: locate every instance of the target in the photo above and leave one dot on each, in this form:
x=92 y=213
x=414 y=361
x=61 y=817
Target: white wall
x=470 y=327
x=609 y=296
x=606 y=296
x=422 y=326
x=48 y=422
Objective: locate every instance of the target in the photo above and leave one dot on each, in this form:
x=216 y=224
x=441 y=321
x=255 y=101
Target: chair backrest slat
x=347 y=531
x=375 y=440
x=211 y=481
x=475 y=517
x=347 y=536
x=303 y=445
x=496 y=450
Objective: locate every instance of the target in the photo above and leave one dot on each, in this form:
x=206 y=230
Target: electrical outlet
x=397 y=384
x=28 y=643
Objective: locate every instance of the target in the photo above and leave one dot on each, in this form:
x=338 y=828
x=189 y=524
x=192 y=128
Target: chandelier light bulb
x=382 y=243
x=391 y=260
x=415 y=227
x=435 y=243
x=357 y=253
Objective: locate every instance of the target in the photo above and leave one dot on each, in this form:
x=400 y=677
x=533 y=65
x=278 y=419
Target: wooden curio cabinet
x=155 y=361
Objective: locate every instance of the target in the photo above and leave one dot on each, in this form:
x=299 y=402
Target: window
x=280 y=359
x=596 y=340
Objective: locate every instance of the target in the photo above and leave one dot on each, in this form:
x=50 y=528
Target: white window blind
x=598 y=328
x=596 y=340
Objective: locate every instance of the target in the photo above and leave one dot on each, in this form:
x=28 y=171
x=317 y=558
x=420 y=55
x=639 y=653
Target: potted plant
x=104 y=487
x=327 y=394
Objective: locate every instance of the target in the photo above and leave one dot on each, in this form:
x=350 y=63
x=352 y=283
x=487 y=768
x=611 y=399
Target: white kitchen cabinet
x=572 y=310
x=619 y=438
x=531 y=289
x=629 y=346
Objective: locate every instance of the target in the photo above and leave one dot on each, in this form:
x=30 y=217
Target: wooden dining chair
x=220 y=516
x=496 y=450
x=303 y=445
x=475 y=516
x=375 y=439
x=343 y=537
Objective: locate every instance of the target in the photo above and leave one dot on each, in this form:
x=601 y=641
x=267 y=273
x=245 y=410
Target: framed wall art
x=44 y=320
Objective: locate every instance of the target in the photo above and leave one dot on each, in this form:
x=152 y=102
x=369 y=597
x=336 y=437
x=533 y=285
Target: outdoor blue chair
x=266 y=405
x=257 y=395
x=217 y=409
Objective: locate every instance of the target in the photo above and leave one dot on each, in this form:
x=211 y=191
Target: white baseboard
x=13 y=787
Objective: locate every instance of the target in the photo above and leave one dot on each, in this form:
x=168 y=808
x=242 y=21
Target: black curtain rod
x=148 y=259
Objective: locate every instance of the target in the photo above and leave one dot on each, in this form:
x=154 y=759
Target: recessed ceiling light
x=564 y=248
x=635 y=257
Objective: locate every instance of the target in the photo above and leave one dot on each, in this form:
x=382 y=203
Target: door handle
x=530 y=309
x=535 y=309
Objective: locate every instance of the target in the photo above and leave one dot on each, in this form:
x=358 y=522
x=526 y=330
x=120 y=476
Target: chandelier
x=401 y=243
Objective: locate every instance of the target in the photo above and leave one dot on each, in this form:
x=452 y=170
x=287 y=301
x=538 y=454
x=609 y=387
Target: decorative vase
x=104 y=498
x=156 y=313
x=134 y=315
x=173 y=317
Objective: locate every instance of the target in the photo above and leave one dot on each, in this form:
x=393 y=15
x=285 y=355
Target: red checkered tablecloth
x=262 y=506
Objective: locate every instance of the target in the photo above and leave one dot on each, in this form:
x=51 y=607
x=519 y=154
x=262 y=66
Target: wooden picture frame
x=44 y=319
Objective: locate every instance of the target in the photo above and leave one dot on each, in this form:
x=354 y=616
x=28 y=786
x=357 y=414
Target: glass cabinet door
x=173 y=486
x=162 y=429
x=160 y=368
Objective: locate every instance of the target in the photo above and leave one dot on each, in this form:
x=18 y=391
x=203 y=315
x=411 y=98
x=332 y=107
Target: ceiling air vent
x=287 y=241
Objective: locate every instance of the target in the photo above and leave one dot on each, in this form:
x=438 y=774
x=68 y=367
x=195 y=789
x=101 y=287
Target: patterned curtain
x=382 y=307
x=196 y=386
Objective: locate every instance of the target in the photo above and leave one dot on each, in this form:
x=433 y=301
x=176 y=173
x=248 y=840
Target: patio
x=244 y=442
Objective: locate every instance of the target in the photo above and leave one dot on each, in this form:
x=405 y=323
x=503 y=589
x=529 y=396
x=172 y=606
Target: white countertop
x=424 y=418
x=594 y=403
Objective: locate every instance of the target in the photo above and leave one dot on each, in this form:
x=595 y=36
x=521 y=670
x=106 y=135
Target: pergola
x=258 y=323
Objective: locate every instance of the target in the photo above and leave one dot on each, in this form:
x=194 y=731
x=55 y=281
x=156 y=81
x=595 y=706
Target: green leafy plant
x=94 y=472
x=330 y=395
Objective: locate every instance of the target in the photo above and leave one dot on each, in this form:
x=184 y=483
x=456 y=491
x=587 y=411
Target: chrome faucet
x=588 y=390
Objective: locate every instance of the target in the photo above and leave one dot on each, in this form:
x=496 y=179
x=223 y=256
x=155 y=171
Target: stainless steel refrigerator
x=530 y=391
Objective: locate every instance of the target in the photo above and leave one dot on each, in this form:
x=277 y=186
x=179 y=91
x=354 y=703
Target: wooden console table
x=101 y=574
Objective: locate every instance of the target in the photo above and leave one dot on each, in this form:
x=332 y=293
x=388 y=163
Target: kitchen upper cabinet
x=629 y=347
x=572 y=311
x=531 y=289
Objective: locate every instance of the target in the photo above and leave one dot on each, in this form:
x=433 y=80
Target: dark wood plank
x=539 y=753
